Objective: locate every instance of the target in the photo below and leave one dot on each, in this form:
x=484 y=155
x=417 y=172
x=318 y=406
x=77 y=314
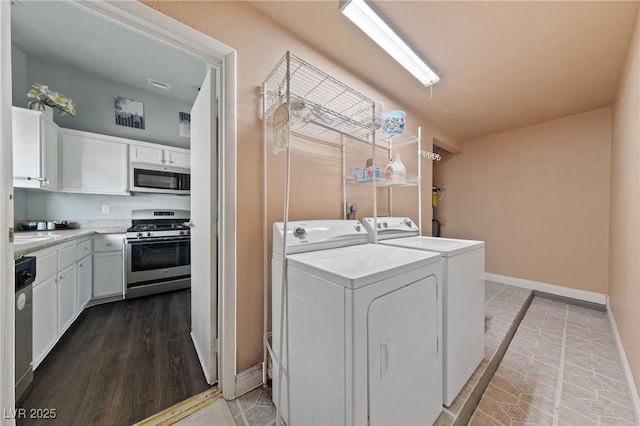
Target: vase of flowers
x=45 y=98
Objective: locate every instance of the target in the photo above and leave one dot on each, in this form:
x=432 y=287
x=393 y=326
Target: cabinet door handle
x=384 y=358
x=37 y=179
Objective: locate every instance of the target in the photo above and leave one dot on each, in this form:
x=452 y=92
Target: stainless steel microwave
x=159 y=179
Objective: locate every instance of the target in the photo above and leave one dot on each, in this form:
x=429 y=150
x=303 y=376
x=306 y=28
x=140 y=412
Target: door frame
x=7 y=287
x=140 y=18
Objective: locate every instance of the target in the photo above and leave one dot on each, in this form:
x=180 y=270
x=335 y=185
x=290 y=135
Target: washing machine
x=462 y=295
x=361 y=332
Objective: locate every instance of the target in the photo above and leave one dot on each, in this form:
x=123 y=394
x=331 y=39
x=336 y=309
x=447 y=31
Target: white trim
x=587 y=296
x=146 y=20
x=141 y=18
x=7 y=289
x=631 y=384
x=249 y=379
x=228 y=234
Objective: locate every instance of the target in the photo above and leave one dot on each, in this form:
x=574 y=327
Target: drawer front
x=84 y=249
x=67 y=256
x=105 y=243
x=46 y=266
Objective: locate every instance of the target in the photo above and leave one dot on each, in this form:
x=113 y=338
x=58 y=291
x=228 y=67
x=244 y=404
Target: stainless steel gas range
x=158 y=252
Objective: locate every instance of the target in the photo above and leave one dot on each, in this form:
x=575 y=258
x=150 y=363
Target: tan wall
x=624 y=275
x=539 y=197
x=316 y=172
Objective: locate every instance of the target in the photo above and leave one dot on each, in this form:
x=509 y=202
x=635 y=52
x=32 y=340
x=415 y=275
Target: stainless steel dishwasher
x=25 y=275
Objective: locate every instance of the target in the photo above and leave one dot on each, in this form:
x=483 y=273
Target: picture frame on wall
x=129 y=113
x=185 y=124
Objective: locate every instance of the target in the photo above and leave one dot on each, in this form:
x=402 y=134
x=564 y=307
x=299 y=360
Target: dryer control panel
x=312 y=235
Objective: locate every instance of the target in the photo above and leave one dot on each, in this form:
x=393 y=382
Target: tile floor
x=217 y=413
x=254 y=408
x=561 y=368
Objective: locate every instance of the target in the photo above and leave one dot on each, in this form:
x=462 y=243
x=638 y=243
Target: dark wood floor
x=119 y=363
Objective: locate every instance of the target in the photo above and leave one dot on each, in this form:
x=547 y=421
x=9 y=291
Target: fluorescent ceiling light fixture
x=367 y=20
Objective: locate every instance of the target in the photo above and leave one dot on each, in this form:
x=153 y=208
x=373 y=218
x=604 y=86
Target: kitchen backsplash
x=81 y=208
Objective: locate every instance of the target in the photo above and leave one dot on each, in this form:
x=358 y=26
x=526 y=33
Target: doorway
x=140 y=18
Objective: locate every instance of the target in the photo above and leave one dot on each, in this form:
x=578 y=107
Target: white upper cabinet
x=158 y=154
x=92 y=163
x=35 y=150
x=146 y=154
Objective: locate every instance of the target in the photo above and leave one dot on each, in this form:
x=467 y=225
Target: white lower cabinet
x=59 y=292
x=85 y=277
x=85 y=274
x=45 y=309
x=67 y=297
x=108 y=266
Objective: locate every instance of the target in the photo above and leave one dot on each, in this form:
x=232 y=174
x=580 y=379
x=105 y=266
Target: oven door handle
x=158 y=240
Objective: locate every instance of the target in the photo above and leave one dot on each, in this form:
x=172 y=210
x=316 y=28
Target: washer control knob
x=379 y=225
x=357 y=227
x=299 y=232
x=407 y=222
x=385 y=224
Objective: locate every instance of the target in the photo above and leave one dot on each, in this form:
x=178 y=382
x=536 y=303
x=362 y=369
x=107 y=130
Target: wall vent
x=158 y=84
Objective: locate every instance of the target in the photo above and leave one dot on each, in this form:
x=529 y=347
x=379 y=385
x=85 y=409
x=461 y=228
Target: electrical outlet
x=105 y=208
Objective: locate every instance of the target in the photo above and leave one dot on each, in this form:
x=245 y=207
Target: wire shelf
x=321 y=106
x=383 y=178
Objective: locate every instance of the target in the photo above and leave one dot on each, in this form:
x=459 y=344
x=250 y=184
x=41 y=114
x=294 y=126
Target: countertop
x=55 y=237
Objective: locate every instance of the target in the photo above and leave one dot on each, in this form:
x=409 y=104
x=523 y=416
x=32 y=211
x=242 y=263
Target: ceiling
x=502 y=65
x=99 y=47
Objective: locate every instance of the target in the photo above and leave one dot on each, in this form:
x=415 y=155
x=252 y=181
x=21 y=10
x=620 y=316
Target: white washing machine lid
x=448 y=247
x=357 y=266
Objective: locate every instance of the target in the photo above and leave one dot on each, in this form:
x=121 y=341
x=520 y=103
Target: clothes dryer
x=360 y=340
x=462 y=295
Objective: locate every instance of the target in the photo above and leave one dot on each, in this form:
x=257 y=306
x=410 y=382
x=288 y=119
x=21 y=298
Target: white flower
x=43 y=96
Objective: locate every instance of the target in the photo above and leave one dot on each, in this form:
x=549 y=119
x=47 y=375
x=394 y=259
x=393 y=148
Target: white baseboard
x=587 y=296
x=635 y=400
x=248 y=379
